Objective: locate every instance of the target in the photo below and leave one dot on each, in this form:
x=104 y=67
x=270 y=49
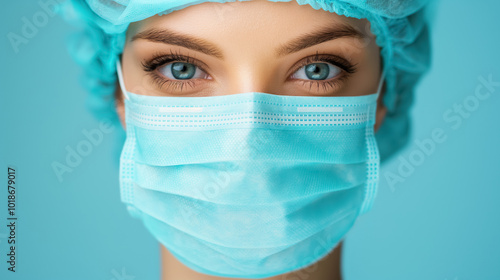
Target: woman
x=250 y=146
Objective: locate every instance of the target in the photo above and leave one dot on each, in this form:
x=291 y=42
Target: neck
x=328 y=268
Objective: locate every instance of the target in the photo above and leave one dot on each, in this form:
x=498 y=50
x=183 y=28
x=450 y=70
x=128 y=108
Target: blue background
x=441 y=222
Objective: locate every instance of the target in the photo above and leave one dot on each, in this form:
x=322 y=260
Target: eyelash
x=160 y=59
x=346 y=67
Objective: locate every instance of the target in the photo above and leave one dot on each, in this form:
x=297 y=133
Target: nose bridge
x=250 y=66
x=251 y=77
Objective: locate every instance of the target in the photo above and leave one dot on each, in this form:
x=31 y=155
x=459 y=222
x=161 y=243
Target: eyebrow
x=173 y=38
x=325 y=34
x=317 y=37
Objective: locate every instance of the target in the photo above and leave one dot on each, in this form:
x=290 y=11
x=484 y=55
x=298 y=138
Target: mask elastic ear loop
x=120 y=78
x=373 y=185
x=381 y=82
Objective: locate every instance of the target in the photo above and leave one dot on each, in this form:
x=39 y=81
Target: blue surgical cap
x=401 y=29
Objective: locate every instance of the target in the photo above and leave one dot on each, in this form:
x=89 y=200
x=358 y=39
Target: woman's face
x=281 y=48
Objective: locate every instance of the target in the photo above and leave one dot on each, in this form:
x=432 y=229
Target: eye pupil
x=317 y=71
x=182 y=71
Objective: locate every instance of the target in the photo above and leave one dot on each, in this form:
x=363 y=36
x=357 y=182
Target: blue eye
x=317 y=71
x=181 y=71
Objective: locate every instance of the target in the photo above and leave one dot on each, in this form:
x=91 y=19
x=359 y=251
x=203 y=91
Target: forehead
x=250 y=17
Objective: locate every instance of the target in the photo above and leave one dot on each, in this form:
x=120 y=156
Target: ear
x=119 y=105
x=381 y=110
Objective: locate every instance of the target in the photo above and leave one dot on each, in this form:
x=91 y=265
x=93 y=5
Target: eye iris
x=181 y=70
x=317 y=71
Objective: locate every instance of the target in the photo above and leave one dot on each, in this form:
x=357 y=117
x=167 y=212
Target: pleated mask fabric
x=249 y=185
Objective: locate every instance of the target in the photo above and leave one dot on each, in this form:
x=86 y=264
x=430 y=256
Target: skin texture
x=247 y=35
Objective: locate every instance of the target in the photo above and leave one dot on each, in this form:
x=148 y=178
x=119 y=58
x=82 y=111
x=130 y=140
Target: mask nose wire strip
x=120 y=78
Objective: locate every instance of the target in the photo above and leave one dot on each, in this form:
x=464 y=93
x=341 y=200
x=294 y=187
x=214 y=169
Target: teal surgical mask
x=249 y=185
